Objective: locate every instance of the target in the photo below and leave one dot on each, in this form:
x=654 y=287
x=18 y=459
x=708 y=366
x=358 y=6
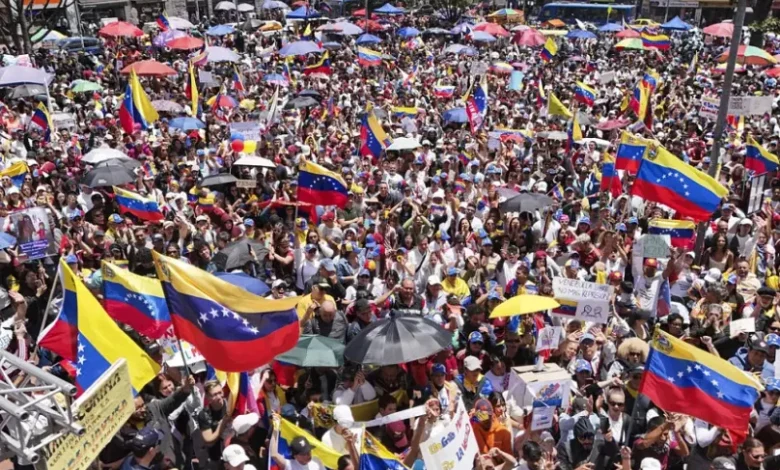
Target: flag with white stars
x=477 y=104
x=318 y=185
x=137 y=301
x=681 y=378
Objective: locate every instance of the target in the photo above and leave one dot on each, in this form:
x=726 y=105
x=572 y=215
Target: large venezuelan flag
x=657 y=41
x=584 y=94
x=136 y=109
x=630 y=152
x=375 y=456
x=42 y=119
x=368 y=57
x=137 y=301
x=682 y=233
x=317 y=185
x=234 y=330
x=681 y=378
x=549 y=50
x=666 y=179
x=289 y=431
x=61 y=336
x=17 y=172
x=758 y=159
x=373 y=138
x=322 y=66
x=137 y=205
x=610 y=179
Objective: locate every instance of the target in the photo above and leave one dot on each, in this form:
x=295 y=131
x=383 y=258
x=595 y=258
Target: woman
x=637 y=322
x=718 y=255
x=630 y=353
x=675 y=325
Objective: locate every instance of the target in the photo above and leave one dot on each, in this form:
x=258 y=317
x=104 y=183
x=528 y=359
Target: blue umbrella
x=456 y=115
x=611 y=28
x=303 y=13
x=481 y=36
x=186 y=123
x=368 y=39
x=331 y=45
x=408 y=32
x=299 y=48
x=580 y=34
x=246 y=282
x=275 y=79
x=220 y=30
x=6 y=241
x=676 y=24
x=274 y=5
x=388 y=9
x=463 y=28
x=460 y=49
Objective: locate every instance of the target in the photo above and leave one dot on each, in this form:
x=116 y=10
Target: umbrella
x=236 y=255
x=506 y=193
x=180 y=23
x=250 y=284
x=271 y=26
x=331 y=45
x=721 y=30
x=120 y=29
x=274 y=5
x=613 y=124
x=598 y=142
x=721 y=68
x=225 y=5
x=275 y=79
x=523 y=305
x=103 y=154
x=529 y=38
x=501 y=68
x=677 y=24
x=371 y=25
x=506 y=13
x=221 y=30
x=463 y=28
x=456 y=115
x=553 y=135
x=368 y=39
x=225 y=101
x=520 y=27
x=301 y=102
x=23 y=91
x=628 y=33
x=221 y=54
x=329 y=28
x=246 y=8
x=397 y=339
x=493 y=29
x=315 y=351
x=436 y=32
x=299 y=48
x=773 y=72
x=253 y=160
x=15 y=75
x=408 y=32
x=216 y=180
x=128 y=163
x=580 y=34
x=526 y=202
x=481 y=36
x=167 y=106
x=349 y=29
x=150 y=68
x=6 y=240
x=311 y=93
x=185 y=43
x=404 y=143
x=750 y=55
x=388 y=9
x=162 y=39
x=186 y=123
x=611 y=28
x=303 y=13
x=110 y=175
x=555 y=23
x=630 y=43
x=48 y=36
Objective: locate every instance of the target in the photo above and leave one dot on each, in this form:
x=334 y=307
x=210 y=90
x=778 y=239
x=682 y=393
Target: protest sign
x=606 y=77
x=251 y=130
x=172 y=353
x=246 y=183
x=542 y=418
x=574 y=289
x=548 y=339
x=516 y=80
x=33 y=233
x=709 y=108
x=102 y=411
x=656 y=246
x=322 y=414
x=455 y=447
x=742 y=325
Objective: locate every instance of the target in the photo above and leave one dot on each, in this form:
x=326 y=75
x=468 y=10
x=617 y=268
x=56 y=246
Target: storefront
x=664 y=10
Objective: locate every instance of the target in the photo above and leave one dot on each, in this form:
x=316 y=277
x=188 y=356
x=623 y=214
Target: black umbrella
x=237 y=253
x=397 y=339
x=526 y=202
x=311 y=94
x=216 y=180
x=111 y=175
x=301 y=102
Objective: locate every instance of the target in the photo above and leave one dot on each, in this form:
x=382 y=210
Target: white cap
x=244 y=423
x=204 y=218
x=439 y=194
x=472 y=363
x=746 y=221
x=342 y=414
x=305 y=150
x=649 y=463
x=433 y=280
x=713 y=275
x=234 y=455
x=278 y=283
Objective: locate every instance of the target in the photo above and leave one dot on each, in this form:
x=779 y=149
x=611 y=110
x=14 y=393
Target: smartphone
x=604 y=424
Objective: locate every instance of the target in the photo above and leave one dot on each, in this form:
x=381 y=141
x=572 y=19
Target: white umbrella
x=252 y=160
x=245 y=7
x=598 y=142
x=225 y=5
x=221 y=54
x=180 y=23
x=404 y=143
x=103 y=154
x=15 y=75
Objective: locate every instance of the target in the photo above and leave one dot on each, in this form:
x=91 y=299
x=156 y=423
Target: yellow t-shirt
x=304 y=303
x=459 y=287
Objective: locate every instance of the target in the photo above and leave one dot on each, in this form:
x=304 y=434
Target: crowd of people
x=424 y=233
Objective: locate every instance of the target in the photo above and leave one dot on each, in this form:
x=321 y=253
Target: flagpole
x=46 y=310
x=183 y=358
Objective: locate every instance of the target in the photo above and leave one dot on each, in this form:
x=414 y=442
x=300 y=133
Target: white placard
x=656 y=246
x=542 y=418
x=606 y=77
x=251 y=130
x=455 y=447
x=750 y=105
x=246 y=183
x=709 y=107
x=207 y=78
x=743 y=325
x=172 y=354
x=597 y=312
x=574 y=289
x=548 y=339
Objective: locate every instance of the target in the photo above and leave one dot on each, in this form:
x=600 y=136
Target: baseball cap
x=649 y=463
x=587 y=337
x=202 y=218
x=584 y=220
x=633 y=220
x=329 y=216
x=582 y=366
x=476 y=337
x=234 y=455
x=723 y=463
x=299 y=446
x=472 y=363
x=244 y=423
x=714 y=275
x=146 y=438
x=370 y=241
x=116 y=218
x=772 y=339
x=71 y=259
x=493 y=295
x=487 y=242
x=433 y=280
x=327 y=264
x=452 y=271
x=651 y=262
x=249 y=222
x=397 y=432
x=279 y=283
x=438 y=369
x=760 y=346
x=310 y=247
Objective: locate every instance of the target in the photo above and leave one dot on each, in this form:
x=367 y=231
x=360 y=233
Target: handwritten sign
x=574 y=289
x=596 y=312
x=548 y=339
x=656 y=246
x=750 y=105
x=172 y=354
x=102 y=410
x=542 y=418
x=246 y=183
x=709 y=108
x=455 y=447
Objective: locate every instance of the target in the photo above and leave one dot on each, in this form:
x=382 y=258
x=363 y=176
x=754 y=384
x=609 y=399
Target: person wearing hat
x=471 y=383
x=493 y=438
x=454 y=285
x=235 y=457
x=248 y=438
x=353 y=388
x=648 y=283
x=327 y=275
x=307 y=265
x=145 y=450
x=300 y=450
x=754 y=359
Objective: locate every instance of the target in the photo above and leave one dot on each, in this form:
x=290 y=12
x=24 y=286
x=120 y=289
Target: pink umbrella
x=774 y=72
x=628 y=33
x=529 y=38
x=120 y=28
x=185 y=43
x=492 y=28
x=722 y=30
x=613 y=124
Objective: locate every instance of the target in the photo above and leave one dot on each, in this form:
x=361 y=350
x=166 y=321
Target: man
x=586 y=447
x=492 y=436
x=454 y=285
x=213 y=420
x=657 y=443
x=329 y=231
x=145 y=447
x=404 y=300
x=249 y=437
x=353 y=389
x=306 y=267
x=300 y=449
x=748 y=284
x=472 y=384
x=329 y=322
x=235 y=458
x=647 y=284
x=364 y=316
x=754 y=360
x=327 y=274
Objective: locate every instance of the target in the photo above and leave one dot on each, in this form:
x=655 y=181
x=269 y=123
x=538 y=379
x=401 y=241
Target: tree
x=761 y=24
x=451 y=9
x=17 y=20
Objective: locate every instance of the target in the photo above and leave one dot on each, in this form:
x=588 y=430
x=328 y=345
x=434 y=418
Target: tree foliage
x=21 y=21
x=762 y=23
x=452 y=10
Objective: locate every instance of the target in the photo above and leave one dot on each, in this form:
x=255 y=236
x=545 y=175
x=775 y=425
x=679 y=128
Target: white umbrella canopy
x=404 y=143
x=245 y=7
x=180 y=23
x=221 y=54
x=253 y=160
x=225 y=5
x=102 y=154
x=15 y=75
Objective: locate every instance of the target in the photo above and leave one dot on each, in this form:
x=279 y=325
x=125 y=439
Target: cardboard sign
x=172 y=354
x=607 y=77
x=656 y=246
x=246 y=183
x=548 y=339
x=574 y=289
x=709 y=107
x=597 y=312
x=455 y=447
x=542 y=418
x=750 y=105
x=743 y=325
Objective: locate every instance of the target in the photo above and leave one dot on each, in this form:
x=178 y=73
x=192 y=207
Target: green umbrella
x=315 y=351
x=85 y=86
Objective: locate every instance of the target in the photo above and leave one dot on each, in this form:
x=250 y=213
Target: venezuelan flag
x=135 y=204
x=681 y=378
x=657 y=41
x=557 y=191
x=137 y=301
x=192 y=91
x=758 y=159
x=630 y=152
x=373 y=138
x=323 y=66
x=610 y=179
x=682 y=233
x=549 y=50
x=61 y=336
x=651 y=80
x=238 y=83
x=368 y=57
x=234 y=330
x=316 y=184
x=42 y=119
x=443 y=91
x=375 y=456
x=574 y=132
x=287 y=72
x=567 y=308
x=584 y=94
x=17 y=172
x=666 y=179
x=289 y=431
x=477 y=104
x=200 y=58
x=163 y=22
x=640 y=99
x=401 y=111
x=237 y=386
x=136 y=109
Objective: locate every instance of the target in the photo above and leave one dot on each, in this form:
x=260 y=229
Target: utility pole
x=723 y=110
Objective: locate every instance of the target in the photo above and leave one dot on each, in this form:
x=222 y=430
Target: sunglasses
x=619 y=405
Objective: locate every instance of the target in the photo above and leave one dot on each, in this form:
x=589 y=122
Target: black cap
x=760 y=345
x=768 y=291
x=146 y=438
x=299 y=446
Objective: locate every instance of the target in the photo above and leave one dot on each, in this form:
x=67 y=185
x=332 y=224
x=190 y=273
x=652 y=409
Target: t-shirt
x=646 y=291
x=313 y=464
x=209 y=419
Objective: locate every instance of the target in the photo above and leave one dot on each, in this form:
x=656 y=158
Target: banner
x=33 y=233
x=251 y=130
x=171 y=352
x=323 y=414
x=606 y=77
x=656 y=246
x=750 y=105
x=583 y=300
x=102 y=410
x=455 y=447
x=709 y=107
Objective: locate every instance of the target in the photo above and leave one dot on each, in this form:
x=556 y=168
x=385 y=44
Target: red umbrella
x=120 y=28
x=492 y=28
x=613 y=124
x=530 y=38
x=185 y=43
x=628 y=33
x=723 y=30
x=372 y=25
x=774 y=72
x=149 y=68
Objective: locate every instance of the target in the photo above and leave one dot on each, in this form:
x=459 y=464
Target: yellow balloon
x=250 y=146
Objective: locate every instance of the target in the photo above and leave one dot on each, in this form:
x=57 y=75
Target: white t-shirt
x=314 y=464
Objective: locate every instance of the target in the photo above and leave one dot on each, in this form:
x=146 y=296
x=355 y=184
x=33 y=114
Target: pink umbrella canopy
x=149 y=68
x=492 y=28
x=628 y=33
x=185 y=43
x=120 y=28
x=722 y=30
x=529 y=38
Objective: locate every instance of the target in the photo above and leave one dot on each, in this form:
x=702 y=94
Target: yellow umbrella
x=247 y=104
x=271 y=26
x=523 y=305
